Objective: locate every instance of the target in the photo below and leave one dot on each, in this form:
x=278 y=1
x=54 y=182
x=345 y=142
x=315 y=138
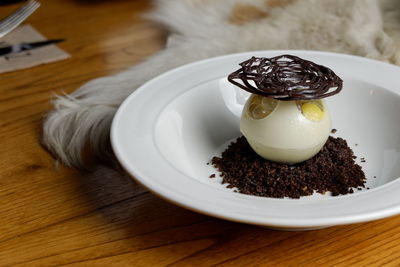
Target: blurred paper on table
x=34 y=57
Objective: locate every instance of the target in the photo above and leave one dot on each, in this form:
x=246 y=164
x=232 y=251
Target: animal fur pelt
x=200 y=29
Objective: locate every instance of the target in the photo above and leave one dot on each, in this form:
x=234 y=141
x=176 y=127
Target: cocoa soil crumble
x=333 y=170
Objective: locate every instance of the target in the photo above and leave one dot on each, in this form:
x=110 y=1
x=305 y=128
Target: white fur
x=200 y=29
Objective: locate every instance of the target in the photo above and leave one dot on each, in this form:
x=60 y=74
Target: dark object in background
x=17 y=48
x=6 y=2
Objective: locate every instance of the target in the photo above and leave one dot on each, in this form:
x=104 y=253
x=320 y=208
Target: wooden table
x=56 y=216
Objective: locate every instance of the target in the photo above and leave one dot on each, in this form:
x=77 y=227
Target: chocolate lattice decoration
x=286 y=77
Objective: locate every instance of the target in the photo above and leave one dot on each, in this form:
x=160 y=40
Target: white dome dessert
x=285 y=131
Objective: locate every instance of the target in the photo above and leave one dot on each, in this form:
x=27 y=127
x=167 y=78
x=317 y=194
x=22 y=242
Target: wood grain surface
x=52 y=215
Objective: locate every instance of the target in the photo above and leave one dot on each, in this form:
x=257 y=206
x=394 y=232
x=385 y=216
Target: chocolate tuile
x=287 y=78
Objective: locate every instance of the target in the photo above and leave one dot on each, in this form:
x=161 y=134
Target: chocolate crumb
x=368 y=188
x=333 y=131
x=362 y=160
x=374 y=176
x=212 y=176
x=208 y=163
x=332 y=170
x=356 y=144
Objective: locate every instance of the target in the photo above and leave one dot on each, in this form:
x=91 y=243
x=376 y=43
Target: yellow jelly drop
x=312 y=111
x=256 y=99
x=269 y=104
x=259 y=112
x=260 y=107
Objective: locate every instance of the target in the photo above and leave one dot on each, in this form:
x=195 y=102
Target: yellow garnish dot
x=312 y=111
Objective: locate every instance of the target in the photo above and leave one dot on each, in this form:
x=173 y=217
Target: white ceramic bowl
x=166 y=132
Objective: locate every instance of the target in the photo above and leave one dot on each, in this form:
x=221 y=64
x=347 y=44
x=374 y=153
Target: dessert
x=285 y=119
x=286 y=150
